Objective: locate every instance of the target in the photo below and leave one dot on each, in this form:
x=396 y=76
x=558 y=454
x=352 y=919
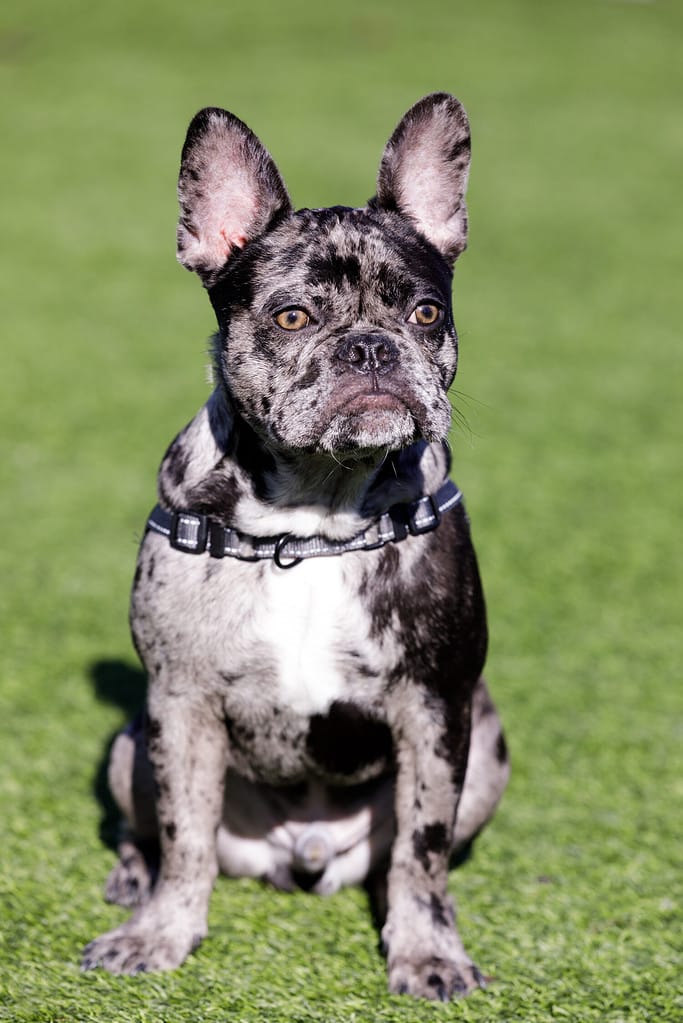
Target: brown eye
x=292 y=319
x=426 y=313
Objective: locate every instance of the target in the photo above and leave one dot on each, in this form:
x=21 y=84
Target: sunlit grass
x=567 y=445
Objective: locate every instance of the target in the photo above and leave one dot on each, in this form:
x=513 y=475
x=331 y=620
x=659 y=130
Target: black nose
x=368 y=353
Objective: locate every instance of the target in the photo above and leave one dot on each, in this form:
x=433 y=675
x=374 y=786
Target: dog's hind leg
x=488 y=770
x=131 y=783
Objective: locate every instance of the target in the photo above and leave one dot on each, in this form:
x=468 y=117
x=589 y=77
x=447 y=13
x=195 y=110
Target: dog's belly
x=345 y=747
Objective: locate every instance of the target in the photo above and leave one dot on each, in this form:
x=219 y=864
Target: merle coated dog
x=307 y=602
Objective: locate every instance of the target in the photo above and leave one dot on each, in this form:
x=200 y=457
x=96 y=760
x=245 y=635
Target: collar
x=195 y=534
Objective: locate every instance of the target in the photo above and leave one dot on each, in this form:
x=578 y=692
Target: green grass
x=569 y=307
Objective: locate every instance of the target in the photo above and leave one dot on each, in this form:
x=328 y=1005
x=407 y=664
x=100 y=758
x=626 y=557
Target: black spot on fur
x=345 y=740
x=384 y=601
x=176 y=461
x=421 y=261
x=171 y=831
x=153 y=729
x=358 y=664
x=393 y=287
x=216 y=497
x=264 y=341
x=234 y=288
x=310 y=376
x=501 y=749
x=333 y=270
x=241 y=736
x=438 y=911
x=294 y=255
x=389 y=561
x=460 y=152
x=433 y=838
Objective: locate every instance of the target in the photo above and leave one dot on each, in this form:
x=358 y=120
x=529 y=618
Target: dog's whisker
x=460 y=422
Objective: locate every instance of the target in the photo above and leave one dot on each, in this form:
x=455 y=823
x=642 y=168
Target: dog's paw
x=131 y=880
x=435 y=978
x=133 y=949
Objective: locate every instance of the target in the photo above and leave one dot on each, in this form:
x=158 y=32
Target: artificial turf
x=570 y=309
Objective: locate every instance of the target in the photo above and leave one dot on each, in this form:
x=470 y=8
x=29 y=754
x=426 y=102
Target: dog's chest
x=307 y=678
x=294 y=656
x=309 y=623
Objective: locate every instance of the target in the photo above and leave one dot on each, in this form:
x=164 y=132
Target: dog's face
x=340 y=336
x=335 y=326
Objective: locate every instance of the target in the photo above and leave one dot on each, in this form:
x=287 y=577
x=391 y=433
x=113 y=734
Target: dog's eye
x=425 y=314
x=292 y=319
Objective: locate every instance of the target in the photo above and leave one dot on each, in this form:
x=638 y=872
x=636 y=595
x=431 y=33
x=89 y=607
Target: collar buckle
x=189 y=532
x=425 y=517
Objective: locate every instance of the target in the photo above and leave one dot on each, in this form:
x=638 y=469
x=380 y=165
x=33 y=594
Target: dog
x=307 y=602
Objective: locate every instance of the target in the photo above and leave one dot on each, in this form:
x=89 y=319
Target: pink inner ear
x=237 y=198
x=233 y=240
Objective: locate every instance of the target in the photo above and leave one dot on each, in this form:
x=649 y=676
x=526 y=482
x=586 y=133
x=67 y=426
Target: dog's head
x=335 y=325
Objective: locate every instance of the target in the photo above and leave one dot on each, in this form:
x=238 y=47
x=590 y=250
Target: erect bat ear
x=424 y=170
x=229 y=190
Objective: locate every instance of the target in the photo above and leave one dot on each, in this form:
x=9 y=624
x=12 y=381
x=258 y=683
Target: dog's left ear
x=424 y=170
x=229 y=191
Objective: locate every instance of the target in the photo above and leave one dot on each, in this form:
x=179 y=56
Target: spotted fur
x=329 y=724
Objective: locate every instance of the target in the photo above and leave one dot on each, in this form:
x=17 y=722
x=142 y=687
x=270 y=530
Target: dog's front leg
x=425 y=955
x=189 y=776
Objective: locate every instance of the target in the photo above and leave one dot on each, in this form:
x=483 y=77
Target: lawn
x=569 y=306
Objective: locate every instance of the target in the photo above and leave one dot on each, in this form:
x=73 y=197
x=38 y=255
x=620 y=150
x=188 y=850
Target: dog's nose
x=368 y=353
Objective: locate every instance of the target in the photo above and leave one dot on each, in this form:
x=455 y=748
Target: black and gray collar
x=196 y=534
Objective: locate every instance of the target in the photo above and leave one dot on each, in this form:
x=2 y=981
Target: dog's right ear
x=229 y=190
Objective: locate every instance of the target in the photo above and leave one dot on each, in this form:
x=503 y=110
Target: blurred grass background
x=569 y=306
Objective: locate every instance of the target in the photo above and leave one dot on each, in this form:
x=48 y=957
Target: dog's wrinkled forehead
x=319 y=254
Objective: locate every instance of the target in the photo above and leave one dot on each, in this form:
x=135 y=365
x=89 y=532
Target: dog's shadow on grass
x=125 y=687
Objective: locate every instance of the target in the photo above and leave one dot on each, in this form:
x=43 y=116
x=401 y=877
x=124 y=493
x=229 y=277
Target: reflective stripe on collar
x=197 y=534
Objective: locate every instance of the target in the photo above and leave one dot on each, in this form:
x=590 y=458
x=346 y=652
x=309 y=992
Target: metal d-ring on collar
x=196 y=534
x=278 y=551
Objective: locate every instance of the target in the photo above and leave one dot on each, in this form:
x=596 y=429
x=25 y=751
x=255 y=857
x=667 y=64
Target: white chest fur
x=308 y=623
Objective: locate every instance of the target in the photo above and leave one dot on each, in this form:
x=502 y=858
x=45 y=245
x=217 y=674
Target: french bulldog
x=307 y=603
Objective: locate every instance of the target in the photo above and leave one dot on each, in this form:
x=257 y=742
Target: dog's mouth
x=371 y=417
x=372 y=396
x=373 y=401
